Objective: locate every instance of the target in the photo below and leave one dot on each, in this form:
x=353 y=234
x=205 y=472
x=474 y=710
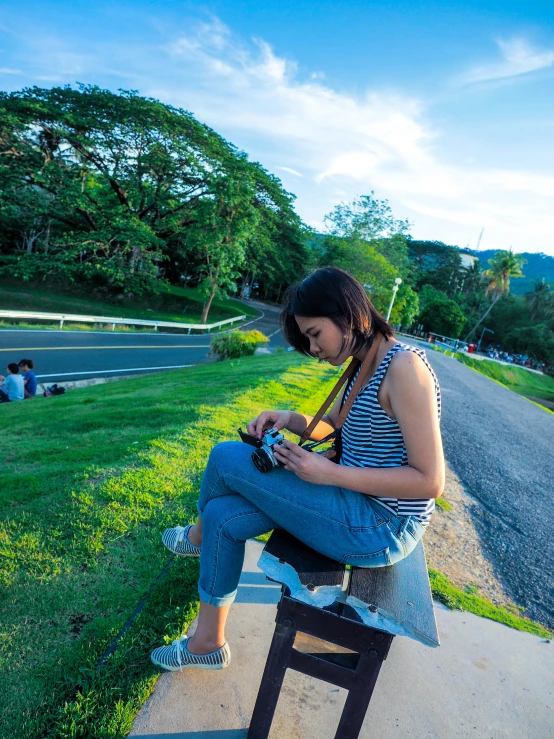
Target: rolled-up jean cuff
x=213 y=600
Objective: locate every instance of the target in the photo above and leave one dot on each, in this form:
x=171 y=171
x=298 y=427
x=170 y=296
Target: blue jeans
x=237 y=502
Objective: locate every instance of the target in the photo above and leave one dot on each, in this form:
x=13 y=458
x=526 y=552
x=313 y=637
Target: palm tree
x=540 y=298
x=504 y=265
x=472 y=276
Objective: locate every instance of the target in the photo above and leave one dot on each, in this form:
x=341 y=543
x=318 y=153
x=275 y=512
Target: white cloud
x=518 y=57
x=290 y=171
x=346 y=145
x=7 y=70
x=328 y=145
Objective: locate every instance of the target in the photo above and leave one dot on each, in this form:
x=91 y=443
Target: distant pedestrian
x=13 y=388
x=29 y=378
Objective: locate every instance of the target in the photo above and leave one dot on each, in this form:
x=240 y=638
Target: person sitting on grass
x=369 y=510
x=29 y=378
x=12 y=386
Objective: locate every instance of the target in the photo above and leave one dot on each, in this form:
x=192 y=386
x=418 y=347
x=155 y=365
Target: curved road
x=79 y=355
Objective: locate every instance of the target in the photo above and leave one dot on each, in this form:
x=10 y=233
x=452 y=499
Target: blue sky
x=446 y=110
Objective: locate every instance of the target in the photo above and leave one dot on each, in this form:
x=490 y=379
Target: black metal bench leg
x=272 y=680
x=359 y=695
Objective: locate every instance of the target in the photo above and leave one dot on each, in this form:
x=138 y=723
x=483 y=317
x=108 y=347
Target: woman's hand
x=306 y=465
x=268 y=420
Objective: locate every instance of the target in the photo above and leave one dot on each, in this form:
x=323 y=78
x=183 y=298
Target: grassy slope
x=168 y=306
x=88 y=482
x=516 y=378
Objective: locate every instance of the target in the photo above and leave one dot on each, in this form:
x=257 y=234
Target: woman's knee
x=229 y=455
x=235 y=519
x=226 y=450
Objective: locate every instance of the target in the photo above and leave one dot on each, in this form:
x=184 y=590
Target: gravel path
x=501 y=447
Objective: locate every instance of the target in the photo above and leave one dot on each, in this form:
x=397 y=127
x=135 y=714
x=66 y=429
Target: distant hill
x=537 y=267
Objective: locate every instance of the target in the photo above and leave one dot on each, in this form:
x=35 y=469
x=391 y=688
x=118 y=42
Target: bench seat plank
x=311 y=566
x=310 y=577
x=399 y=596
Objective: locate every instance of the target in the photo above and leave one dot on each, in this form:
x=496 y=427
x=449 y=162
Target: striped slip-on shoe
x=176 y=540
x=176 y=657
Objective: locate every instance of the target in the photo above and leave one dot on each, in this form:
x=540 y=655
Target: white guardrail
x=72 y=317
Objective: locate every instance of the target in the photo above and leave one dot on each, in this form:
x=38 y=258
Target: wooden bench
x=345 y=642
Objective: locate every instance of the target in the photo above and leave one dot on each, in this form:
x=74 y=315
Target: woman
x=370 y=510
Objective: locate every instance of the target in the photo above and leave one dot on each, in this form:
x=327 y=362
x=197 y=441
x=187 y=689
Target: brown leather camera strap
x=349 y=372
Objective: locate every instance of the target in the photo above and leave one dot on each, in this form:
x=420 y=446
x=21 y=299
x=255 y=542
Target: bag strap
x=345 y=377
x=349 y=372
x=361 y=380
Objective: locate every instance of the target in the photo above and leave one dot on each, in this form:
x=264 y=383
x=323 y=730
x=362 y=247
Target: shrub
x=237 y=344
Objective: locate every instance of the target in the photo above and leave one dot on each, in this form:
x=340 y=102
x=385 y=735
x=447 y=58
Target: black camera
x=263 y=456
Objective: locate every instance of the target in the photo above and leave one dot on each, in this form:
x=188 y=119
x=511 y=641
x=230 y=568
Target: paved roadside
x=485 y=681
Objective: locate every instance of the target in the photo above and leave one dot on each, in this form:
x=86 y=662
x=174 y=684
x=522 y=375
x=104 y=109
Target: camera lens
x=261 y=460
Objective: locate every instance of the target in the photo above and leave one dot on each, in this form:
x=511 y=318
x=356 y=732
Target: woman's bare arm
x=411 y=394
x=299 y=422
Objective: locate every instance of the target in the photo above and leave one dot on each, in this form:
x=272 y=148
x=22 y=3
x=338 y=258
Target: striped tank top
x=370 y=438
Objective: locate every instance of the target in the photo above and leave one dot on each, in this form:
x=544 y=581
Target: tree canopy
x=125 y=194
x=120 y=190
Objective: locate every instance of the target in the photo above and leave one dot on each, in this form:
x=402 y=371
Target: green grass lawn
x=516 y=378
x=88 y=482
x=167 y=306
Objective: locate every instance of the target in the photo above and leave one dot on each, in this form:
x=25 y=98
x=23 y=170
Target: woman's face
x=325 y=338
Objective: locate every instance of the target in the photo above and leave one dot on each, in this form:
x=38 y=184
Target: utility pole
x=481 y=339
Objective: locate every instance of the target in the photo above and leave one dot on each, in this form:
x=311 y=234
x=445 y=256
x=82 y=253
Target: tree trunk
x=480 y=321
x=208 y=303
x=29 y=240
x=135 y=253
x=47 y=237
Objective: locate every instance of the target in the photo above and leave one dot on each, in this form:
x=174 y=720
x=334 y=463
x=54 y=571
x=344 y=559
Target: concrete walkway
x=486 y=681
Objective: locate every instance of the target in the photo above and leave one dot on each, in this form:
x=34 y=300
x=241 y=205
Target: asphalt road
x=501 y=447
x=78 y=355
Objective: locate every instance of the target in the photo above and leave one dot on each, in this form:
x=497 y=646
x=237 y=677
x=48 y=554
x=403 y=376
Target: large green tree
x=443 y=317
x=371 y=220
x=224 y=221
x=365 y=239
x=118 y=190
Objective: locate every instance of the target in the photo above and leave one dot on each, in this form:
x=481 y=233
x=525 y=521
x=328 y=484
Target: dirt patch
x=452 y=545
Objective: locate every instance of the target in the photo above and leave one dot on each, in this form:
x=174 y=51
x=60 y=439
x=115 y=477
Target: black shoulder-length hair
x=333 y=293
